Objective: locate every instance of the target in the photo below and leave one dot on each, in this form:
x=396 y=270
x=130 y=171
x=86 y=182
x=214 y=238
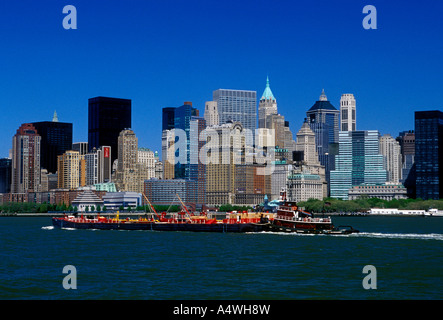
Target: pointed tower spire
x=267 y=94
x=55 y=118
x=323 y=96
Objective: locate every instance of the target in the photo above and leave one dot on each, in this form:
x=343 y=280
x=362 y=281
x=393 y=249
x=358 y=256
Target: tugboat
x=290 y=218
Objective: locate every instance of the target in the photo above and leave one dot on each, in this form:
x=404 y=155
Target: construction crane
x=152 y=207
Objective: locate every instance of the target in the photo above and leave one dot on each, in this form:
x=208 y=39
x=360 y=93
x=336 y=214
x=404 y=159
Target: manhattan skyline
x=162 y=53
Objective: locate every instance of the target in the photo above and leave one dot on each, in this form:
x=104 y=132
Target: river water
x=405 y=252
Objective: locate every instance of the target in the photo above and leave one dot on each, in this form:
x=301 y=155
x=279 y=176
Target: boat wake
x=411 y=236
x=48 y=228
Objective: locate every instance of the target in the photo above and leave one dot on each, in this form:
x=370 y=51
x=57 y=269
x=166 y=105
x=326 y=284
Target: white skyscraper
x=347 y=112
x=390 y=149
x=211 y=113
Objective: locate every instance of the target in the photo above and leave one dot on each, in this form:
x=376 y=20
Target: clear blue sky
x=164 y=52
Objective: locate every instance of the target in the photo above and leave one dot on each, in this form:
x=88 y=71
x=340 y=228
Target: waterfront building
x=25 y=160
x=386 y=191
x=87 y=201
x=164 y=192
x=238 y=106
x=391 y=151
x=347 y=112
x=429 y=154
x=5 y=175
x=56 y=139
x=117 y=200
x=107 y=117
x=71 y=170
x=359 y=161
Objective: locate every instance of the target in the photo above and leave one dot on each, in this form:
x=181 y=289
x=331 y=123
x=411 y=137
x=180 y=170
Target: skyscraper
x=237 y=105
x=107 y=117
x=71 y=170
x=323 y=118
x=347 y=112
x=26 y=160
x=56 y=139
x=390 y=149
x=359 y=161
x=307 y=179
x=429 y=154
x=266 y=106
x=5 y=175
x=211 y=113
x=98 y=166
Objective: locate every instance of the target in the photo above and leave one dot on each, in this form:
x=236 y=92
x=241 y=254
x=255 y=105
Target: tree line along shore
x=328 y=205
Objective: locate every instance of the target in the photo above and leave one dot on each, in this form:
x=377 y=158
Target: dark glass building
x=168 y=118
x=107 y=117
x=56 y=139
x=429 y=154
x=5 y=175
x=187 y=119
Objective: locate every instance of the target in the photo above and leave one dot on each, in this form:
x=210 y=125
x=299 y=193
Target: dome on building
x=322 y=103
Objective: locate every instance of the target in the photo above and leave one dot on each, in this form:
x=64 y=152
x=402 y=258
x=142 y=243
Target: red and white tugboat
x=290 y=218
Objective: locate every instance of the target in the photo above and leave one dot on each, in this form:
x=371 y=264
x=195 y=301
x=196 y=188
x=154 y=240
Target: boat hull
x=158 y=226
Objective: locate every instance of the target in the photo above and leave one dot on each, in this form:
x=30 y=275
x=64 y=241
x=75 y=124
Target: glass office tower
x=56 y=139
x=237 y=105
x=358 y=161
x=429 y=154
x=107 y=117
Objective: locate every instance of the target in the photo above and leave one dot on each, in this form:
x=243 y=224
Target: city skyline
x=158 y=55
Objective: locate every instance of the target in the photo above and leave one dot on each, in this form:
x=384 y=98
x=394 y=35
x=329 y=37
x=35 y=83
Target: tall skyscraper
x=107 y=117
x=429 y=154
x=406 y=139
x=56 y=139
x=323 y=118
x=307 y=179
x=188 y=165
x=359 y=161
x=26 y=160
x=347 y=112
x=390 y=149
x=237 y=105
x=266 y=106
x=211 y=113
x=131 y=173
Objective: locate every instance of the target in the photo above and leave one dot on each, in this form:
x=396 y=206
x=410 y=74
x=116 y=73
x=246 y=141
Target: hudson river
x=405 y=251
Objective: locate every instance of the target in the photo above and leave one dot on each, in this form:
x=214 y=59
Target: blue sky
x=162 y=53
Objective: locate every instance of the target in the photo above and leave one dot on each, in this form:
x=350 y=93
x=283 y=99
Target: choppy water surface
x=406 y=252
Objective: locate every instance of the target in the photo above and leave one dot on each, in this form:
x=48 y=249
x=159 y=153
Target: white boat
x=434 y=213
